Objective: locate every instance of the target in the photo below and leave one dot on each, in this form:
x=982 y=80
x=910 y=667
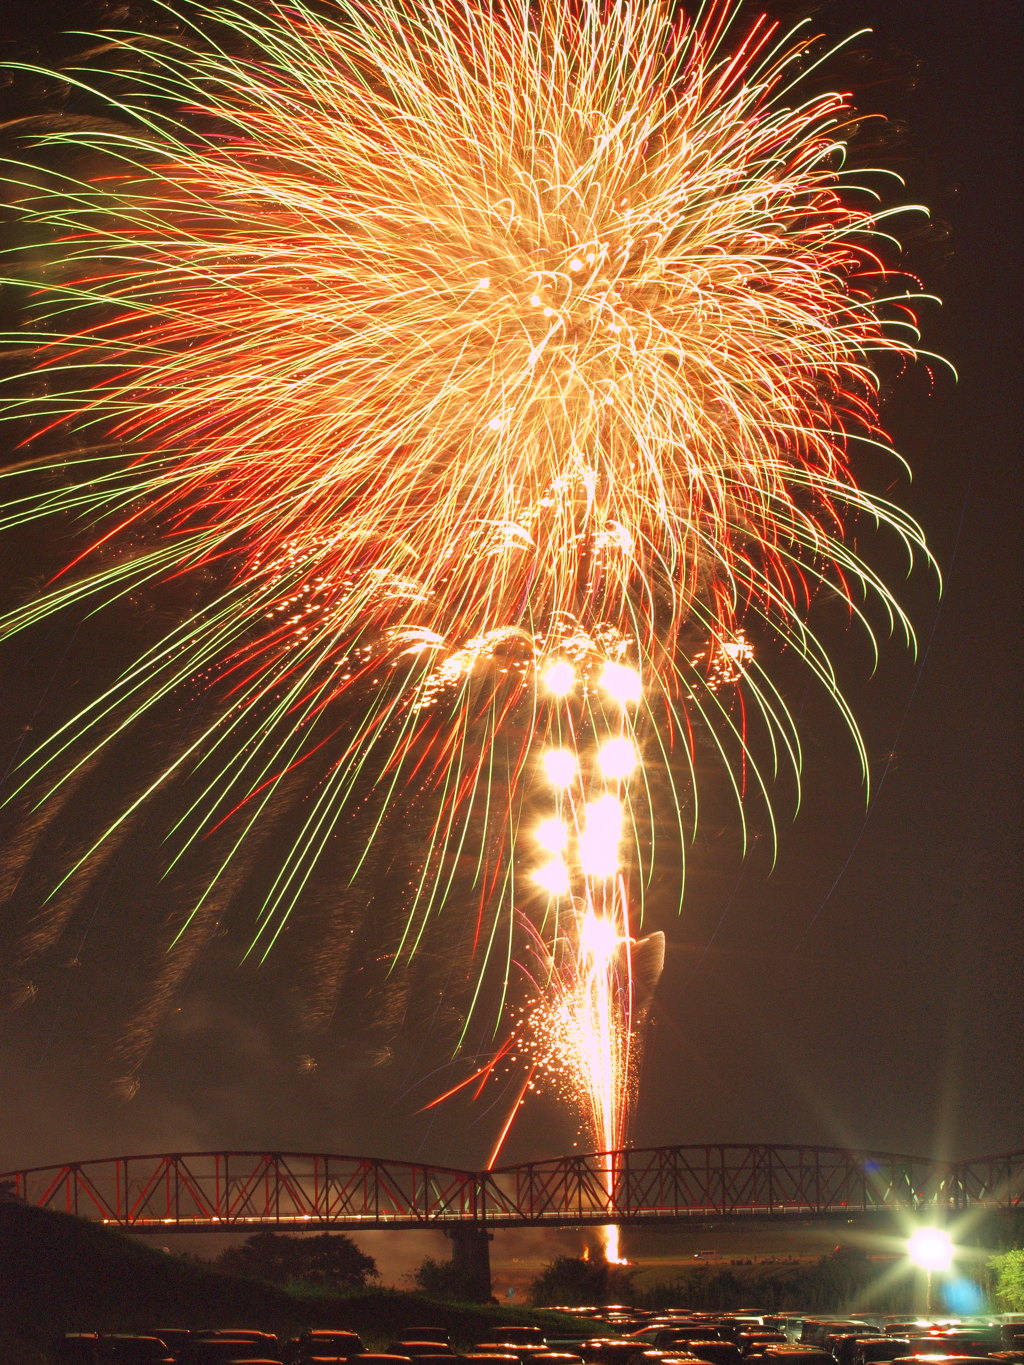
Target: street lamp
x=931 y=1249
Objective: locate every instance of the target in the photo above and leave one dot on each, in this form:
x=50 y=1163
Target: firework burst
x=487 y=370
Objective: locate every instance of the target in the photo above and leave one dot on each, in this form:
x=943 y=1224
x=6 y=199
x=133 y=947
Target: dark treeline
x=844 y=1280
x=841 y=1281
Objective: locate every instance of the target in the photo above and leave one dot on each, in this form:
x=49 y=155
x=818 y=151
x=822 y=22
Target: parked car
x=790 y=1323
x=663 y=1337
x=794 y=1354
x=815 y=1331
x=327 y=1342
x=419 y=1346
x=714 y=1350
x=652 y=1356
x=868 y=1350
x=224 y=1350
x=978 y=1341
x=78 y=1348
x=257 y=1337
x=172 y=1337
x=945 y=1359
x=120 y=1348
x=522 y=1351
x=423 y=1353
x=607 y=1350
x=732 y=1324
x=751 y=1343
x=380 y=1358
x=321 y=1360
x=843 y=1345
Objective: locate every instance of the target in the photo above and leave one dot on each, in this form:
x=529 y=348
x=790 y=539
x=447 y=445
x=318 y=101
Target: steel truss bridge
x=288 y=1191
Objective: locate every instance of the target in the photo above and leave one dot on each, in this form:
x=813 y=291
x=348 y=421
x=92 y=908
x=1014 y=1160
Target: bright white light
x=560 y=767
x=600 y=937
x=599 y=842
x=617 y=758
x=553 y=835
x=553 y=876
x=559 y=678
x=621 y=682
x=931 y=1249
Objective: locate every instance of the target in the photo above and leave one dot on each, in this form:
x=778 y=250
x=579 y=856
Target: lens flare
x=622 y=683
x=554 y=877
x=561 y=767
x=618 y=758
x=553 y=835
x=559 y=678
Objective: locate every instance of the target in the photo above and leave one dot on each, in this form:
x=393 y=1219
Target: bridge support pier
x=471 y=1259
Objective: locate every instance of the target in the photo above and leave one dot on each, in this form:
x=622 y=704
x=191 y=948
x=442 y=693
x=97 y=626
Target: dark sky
x=865 y=992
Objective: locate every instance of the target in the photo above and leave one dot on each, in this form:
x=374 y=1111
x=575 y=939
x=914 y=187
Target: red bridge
x=218 y=1191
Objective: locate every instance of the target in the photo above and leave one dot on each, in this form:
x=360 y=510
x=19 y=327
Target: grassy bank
x=62 y=1274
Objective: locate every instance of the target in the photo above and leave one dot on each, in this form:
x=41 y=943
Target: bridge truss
x=220 y=1191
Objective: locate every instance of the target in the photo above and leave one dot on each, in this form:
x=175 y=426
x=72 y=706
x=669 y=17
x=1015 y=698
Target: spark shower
x=492 y=376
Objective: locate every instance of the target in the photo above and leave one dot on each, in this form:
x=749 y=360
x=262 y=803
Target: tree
x=575 y=1282
x=1008 y=1289
x=445 y=1280
x=330 y=1260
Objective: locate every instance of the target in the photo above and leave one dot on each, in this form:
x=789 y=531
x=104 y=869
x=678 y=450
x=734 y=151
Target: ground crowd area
x=587 y=1335
x=78 y=1293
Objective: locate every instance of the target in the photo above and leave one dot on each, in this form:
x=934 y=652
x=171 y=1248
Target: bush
x=326 y=1261
x=446 y=1280
x=1008 y=1285
x=575 y=1282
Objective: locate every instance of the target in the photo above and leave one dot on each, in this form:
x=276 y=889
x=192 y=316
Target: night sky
x=866 y=991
